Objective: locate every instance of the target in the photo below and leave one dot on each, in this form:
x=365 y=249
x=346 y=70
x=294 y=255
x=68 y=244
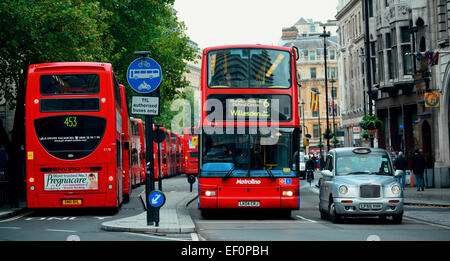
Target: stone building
x=400 y=80
x=353 y=90
x=305 y=35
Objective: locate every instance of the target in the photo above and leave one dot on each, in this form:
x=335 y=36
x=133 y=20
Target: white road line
x=16 y=217
x=309 y=220
x=10 y=228
x=60 y=230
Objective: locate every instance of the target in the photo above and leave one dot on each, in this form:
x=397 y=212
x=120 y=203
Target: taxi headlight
x=395 y=189
x=343 y=189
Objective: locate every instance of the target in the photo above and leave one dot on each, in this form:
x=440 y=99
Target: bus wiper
x=229 y=173
x=272 y=177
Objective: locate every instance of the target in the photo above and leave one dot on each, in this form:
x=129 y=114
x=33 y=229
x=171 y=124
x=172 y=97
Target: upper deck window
x=69 y=84
x=249 y=68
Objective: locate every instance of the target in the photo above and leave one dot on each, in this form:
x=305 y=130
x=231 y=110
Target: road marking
x=16 y=217
x=309 y=220
x=10 y=228
x=60 y=230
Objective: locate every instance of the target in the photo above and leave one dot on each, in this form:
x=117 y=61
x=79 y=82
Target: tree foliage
x=42 y=31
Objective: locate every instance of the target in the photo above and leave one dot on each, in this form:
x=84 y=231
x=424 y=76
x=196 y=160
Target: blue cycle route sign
x=157 y=199
x=144 y=75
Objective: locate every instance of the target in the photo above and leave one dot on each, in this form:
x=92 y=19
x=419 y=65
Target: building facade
x=351 y=57
x=400 y=33
x=305 y=35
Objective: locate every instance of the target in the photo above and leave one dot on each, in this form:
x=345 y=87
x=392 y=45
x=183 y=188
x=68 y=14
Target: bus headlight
x=210 y=193
x=288 y=193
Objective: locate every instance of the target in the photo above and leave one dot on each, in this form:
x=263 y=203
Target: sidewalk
x=174 y=217
x=430 y=196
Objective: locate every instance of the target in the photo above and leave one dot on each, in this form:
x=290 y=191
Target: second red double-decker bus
x=138 y=163
x=126 y=147
x=73 y=136
x=250 y=133
x=190 y=151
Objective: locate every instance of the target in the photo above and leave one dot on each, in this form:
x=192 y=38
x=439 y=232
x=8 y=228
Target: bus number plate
x=248 y=204
x=72 y=202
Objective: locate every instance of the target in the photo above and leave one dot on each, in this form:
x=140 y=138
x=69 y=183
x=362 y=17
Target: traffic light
x=305 y=142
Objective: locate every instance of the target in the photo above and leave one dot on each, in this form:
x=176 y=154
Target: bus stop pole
x=149 y=177
x=157 y=126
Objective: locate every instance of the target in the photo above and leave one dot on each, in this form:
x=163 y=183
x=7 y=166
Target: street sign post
x=145 y=105
x=156 y=200
x=144 y=75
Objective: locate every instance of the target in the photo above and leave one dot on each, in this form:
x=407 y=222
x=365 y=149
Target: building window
x=332 y=72
x=406 y=48
x=312 y=55
x=316 y=131
x=332 y=55
x=313 y=73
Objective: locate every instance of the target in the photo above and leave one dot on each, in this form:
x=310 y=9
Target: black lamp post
x=332 y=109
x=325 y=35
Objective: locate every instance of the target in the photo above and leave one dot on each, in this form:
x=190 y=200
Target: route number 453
x=71 y=122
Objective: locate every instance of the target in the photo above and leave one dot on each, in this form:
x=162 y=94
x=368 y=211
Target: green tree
x=150 y=25
x=44 y=31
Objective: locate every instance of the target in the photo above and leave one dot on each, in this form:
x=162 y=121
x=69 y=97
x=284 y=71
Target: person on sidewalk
x=418 y=167
x=401 y=164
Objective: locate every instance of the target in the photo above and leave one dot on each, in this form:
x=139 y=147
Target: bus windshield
x=65 y=84
x=249 y=68
x=250 y=155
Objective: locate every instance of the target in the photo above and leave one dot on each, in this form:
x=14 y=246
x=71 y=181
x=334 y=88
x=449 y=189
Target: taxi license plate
x=72 y=202
x=248 y=204
x=370 y=206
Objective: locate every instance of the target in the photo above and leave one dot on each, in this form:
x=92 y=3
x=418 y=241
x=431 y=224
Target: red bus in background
x=179 y=154
x=73 y=136
x=250 y=133
x=126 y=147
x=164 y=155
x=190 y=151
x=155 y=158
x=172 y=157
x=137 y=152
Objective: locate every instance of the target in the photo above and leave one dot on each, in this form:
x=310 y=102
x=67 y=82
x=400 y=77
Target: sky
x=223 y=22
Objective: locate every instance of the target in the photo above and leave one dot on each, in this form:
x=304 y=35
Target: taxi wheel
x=332 y=215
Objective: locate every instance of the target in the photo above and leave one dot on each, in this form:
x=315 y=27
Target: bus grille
x=370 y=191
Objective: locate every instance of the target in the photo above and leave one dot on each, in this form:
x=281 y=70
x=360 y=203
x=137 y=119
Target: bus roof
x=72 y=65
x=247 y=46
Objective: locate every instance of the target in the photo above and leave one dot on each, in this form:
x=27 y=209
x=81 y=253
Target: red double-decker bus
x=73 y=136
x=126 y=147
x=250 y=133
x=190 y=151
x=138 y=163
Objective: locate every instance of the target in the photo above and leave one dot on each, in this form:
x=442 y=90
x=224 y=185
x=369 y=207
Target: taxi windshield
x=249 y=68
x=363 y=164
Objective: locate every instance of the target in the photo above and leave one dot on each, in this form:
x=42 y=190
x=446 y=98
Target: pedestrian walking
x=401 y=164
x=418 y=167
